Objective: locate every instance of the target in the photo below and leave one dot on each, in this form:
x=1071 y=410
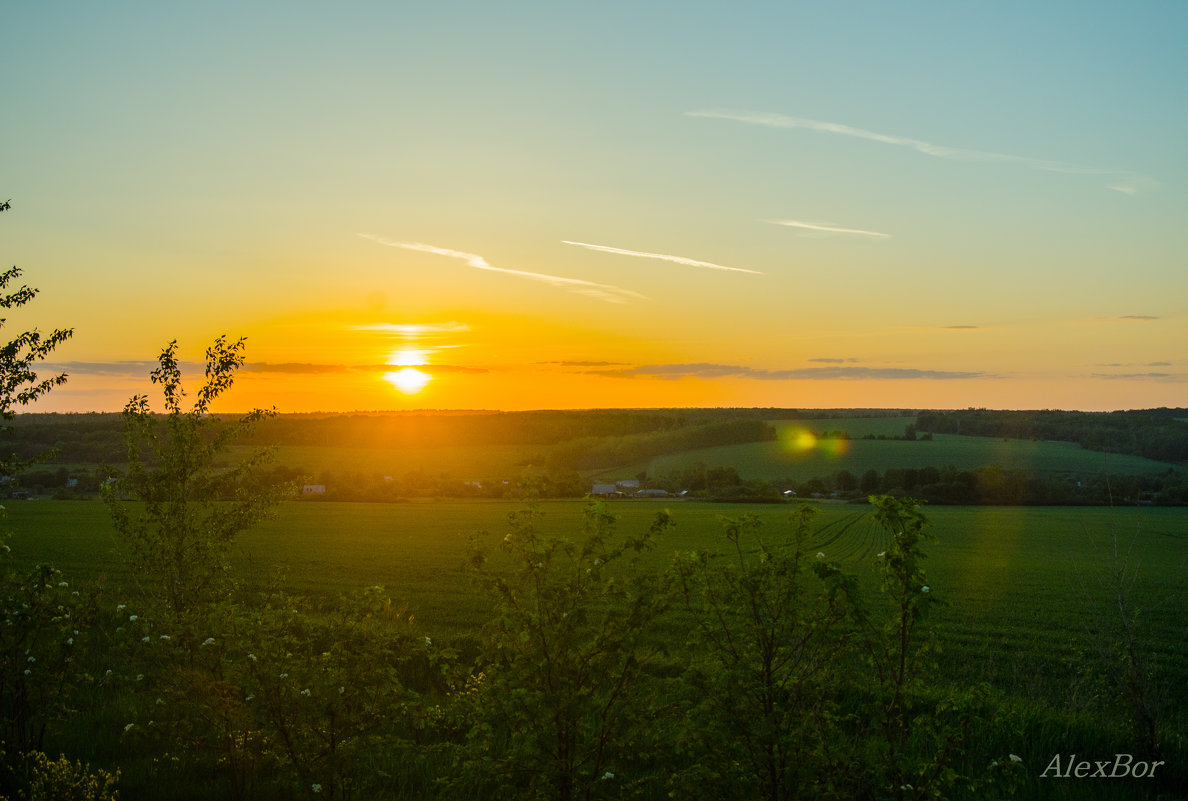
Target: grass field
x=797 y=457
x=1025 y=587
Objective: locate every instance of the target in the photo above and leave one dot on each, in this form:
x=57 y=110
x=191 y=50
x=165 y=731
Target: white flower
x=925 y=588
x=32 y=659
x=160 y=702
x=208 y=641
x=249 y=698
x=882 y=554
x=608 y=775
x=108 y=673
x=305 y=693
x=140 y=677
x=317 y=788
x=133 y=618
x=128 y=728
x=120 y=608
x=164 y=636
x=428 y=641
x=284 y=675
x=27 y=671
x=252 y=657
x=341 y=690
x=145 y=639
x=63 y=584
x=820 y=556
x=70 y=641
x=1016 y=758
x=994 y=763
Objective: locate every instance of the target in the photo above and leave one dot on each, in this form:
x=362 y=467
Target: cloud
x=961 y=327
x=585 y=364
x=827 y=228
x=416 y=330
x=117 y=369
x=604 y=292
x=1159 y=364
x=1140 y=376
x=1123 y=181
x=1139 y=317
x=704 y=370
x=661 y=256
x=834 y=361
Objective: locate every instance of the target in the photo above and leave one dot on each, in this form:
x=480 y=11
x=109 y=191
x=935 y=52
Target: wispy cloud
x=1141 y=376
x=1123 y=181
x=961 y=327
x=827 y=228
x=833 y=361
x=1139 y=317
x=833 y=373
x=661 y=256
x=412 y=331
x=122 y=368
x=604 y=292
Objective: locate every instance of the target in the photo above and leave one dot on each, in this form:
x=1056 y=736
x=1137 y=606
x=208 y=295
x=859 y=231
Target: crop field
x=465 y=462
x=1026 y=589
x=799 y=456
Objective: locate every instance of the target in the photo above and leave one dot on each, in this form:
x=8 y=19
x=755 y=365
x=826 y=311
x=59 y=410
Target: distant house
x=313 y=489
x=605 y=490
x=628 y=483
x=651 y=493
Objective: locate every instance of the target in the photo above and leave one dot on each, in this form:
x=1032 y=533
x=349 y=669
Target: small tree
x=770 y=627
x=19 y=384
x=192 y=506
x=567 y=651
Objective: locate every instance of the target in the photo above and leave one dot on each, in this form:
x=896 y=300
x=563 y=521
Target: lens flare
x=800 y=440
x=410 y=380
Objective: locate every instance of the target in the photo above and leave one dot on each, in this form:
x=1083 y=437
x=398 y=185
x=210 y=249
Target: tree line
x=1159 y=434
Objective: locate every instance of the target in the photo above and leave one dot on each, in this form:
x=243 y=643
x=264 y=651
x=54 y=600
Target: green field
x=1024 y=585
x=794 y=456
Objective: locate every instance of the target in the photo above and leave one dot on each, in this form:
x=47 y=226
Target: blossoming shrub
x=45 y=625
x=565 y=652
x=769 y=624
x=46 y=779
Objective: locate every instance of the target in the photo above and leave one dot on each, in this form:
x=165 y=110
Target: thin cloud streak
x=604 y=292
x=827 y=228
x=662 y=256
x=415 y=330
x=1124 y=181
x=704 y=370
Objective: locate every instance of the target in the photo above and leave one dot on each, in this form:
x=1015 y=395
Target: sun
x=409 y=380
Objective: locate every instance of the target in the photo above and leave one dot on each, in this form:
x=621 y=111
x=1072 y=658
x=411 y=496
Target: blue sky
x=966 y=204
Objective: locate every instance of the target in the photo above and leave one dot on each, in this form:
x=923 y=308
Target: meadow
x=796 y=456
x=1026 y=588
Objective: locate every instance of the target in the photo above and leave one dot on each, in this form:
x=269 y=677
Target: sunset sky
x=528 y=205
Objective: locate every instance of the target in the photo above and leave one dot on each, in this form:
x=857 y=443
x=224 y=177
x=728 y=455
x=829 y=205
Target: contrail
x=829 y=228
x=606 y=292
x=661 y=256
x=1126 y=181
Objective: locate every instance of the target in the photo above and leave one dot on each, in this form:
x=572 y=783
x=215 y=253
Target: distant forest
x=1159 y=434
x=99 y=437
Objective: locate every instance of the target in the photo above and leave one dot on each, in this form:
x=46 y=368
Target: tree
x=19 y=384
x=769 y=631
x=553 y=707
x=192 y=507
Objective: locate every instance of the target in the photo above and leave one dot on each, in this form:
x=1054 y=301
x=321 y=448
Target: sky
x=530 y=205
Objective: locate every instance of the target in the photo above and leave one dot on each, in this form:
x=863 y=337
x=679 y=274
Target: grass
x=797 y=457
x=1025 y=590
x=1018 y=581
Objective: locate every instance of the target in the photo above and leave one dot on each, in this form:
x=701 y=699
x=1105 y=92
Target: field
x=1026 y=588
x=799 y=457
